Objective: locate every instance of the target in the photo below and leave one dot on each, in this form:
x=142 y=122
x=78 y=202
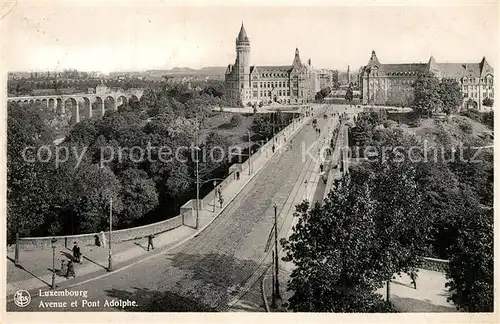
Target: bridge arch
x=86 y=108
x=98 y=107
x=121 y=100
x=32 y=101
x=44 y=103
x=51 y=104
x=133 y=98
x=109 y=103
x=71 y=105
x=60 y=109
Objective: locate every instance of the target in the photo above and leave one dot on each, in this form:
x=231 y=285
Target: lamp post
x=249 y=153
x=276 y=267
x=215 y=193
x=110 y=257
x=267 y=149
x=53 y=242
x=305 y=182
x=197 y=177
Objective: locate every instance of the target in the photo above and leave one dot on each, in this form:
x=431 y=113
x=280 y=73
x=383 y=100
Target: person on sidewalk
x=64 y=268
x=413 y=277
x=221 y=201
x=150 y=241
x=103 y=239
x=321 y=167
x=76 y=253
x=237 y=175
x=71 y=269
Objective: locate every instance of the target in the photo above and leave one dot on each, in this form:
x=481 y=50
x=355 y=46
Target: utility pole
x=110 y=261
x=197 y=177
x=276 y=267
x=249 y=154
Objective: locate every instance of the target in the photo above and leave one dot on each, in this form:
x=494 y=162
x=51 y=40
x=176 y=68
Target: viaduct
x=83 y=105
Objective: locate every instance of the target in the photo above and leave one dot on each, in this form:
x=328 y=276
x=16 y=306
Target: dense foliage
x=434 y=96
x=387 y=213
x=108 y=158
x=320 y=95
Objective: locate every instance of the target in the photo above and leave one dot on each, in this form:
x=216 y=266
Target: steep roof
x=485 y=67
x=296 y=60
x=242 y=36
x=452 y=70
x=373 y=60
x=404 y=68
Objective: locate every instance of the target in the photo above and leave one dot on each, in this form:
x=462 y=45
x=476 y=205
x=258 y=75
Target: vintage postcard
x=325 y=161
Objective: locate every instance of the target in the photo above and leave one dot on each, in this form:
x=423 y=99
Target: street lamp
x=197 y=176
x=110 y=258
x=305 y=182
x=53 y=242
x=249 y=153
x=215 y=193
x=276 y=267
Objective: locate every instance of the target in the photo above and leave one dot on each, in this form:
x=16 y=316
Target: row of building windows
x=266 y=93
x=475 y=95
x=489 y=87
x=482 y=80
x=272 y=84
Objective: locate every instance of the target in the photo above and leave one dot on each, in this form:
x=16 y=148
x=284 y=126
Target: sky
x=130 y=36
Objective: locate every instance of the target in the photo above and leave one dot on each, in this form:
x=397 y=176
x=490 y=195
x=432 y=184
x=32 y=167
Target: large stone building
x=287 y=84
x=391 y=84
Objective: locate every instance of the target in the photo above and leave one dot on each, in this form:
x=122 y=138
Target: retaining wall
x=434 y=264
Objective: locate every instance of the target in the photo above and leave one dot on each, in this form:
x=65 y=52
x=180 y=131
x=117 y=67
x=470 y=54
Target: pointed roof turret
x=373 y=60
x=484 y=67
x=296 y=60
x=242 y=36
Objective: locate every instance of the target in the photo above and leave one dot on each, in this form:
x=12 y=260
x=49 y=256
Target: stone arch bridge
x=83 y=105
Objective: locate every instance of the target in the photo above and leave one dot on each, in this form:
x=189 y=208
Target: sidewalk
x=36 y=265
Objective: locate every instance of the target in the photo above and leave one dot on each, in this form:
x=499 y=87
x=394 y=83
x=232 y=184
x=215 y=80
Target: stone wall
x=434 y=264
x=29 y=243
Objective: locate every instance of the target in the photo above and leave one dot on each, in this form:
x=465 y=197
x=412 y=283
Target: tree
x=138 y=194
x=331 y=248
x=451 y=96
x=427 y=94
x=471 y=264
x=349 y=94
x=488 y=102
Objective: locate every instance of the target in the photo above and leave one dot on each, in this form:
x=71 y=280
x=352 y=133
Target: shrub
x=236 y=120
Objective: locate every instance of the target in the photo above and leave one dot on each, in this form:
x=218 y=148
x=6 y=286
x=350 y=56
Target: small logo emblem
x=22 y=298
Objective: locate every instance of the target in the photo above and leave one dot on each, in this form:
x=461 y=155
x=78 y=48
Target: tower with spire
x=251 y=84
x=242 y=63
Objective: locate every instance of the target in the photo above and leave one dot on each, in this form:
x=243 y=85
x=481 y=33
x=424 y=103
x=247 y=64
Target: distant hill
x=210 y=70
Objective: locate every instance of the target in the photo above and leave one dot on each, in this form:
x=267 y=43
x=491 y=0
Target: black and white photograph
x=330 y=159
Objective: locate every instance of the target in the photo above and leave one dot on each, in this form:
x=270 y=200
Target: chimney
x=348 y=74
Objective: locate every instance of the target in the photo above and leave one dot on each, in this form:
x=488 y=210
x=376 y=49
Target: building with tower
x=250 y=84
x=392 y=84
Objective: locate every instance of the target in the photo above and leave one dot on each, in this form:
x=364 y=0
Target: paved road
x=209 y=271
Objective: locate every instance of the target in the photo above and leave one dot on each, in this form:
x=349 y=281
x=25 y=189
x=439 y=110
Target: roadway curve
x=210 y=270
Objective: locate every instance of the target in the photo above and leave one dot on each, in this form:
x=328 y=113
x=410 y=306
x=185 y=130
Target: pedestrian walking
x=76 y=253
x=150 y=241
x=97 y=241
x=221 y=201
x=237 y=175
x=71 y=270
x=103 y=239
x=413 y=277
x=321 y=167
x=64 y=268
